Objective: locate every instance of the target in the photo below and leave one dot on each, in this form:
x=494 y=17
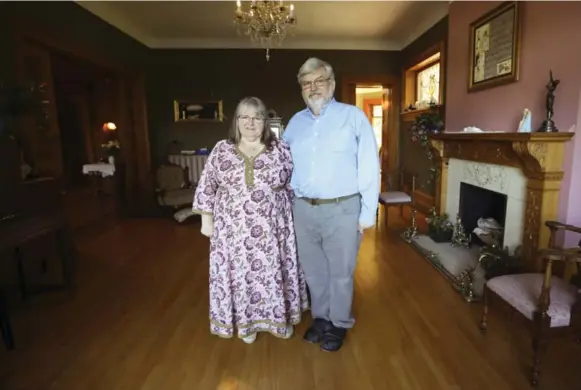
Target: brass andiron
x=465 y=280
x=459 y=237
x=411 y=231
x=548 y=126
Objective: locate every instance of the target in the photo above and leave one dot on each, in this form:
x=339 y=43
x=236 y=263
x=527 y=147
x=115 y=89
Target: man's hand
x=361 y=227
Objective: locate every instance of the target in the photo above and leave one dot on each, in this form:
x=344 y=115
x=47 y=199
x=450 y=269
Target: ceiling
x=341 y=25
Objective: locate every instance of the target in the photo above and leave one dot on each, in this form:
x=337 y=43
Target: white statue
x=525 y=123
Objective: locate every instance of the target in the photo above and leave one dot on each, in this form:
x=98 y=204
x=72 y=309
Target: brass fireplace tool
x=411 y=231
x=459 y=236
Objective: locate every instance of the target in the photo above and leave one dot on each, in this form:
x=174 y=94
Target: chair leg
x=540 y=342
x=386 y=214
x=484 y=320
x=401 y=211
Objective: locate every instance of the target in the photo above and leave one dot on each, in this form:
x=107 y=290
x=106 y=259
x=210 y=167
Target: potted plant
x=501 y=262
x=440 y=229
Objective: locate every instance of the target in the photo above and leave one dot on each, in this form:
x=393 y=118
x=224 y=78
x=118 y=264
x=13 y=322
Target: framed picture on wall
x=198 y=111
x=495 y=47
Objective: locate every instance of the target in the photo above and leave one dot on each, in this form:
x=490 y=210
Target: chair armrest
x=554 y=226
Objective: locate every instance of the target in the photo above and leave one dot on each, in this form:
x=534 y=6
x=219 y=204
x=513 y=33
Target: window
x=423 y=80
x=428 y=84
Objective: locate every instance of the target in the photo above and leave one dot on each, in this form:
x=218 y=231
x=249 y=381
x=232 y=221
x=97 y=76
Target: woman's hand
x=207 y=225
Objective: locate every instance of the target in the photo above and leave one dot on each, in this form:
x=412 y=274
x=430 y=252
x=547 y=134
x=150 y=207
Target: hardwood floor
x=139 y=320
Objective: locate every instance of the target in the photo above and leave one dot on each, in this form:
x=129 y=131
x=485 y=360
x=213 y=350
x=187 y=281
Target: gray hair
x=313 y=64
x=268 y=138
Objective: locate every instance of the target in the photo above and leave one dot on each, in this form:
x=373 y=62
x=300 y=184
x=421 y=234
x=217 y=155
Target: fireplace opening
x=477 y=202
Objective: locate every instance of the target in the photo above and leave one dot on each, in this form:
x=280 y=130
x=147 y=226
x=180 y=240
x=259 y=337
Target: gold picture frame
x=198 y=111
x=495 y=47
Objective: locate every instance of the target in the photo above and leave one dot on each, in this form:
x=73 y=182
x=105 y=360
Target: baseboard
x=424 y=202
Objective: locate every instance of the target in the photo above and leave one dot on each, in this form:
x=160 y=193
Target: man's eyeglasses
x=247 y=118
x=316 y=83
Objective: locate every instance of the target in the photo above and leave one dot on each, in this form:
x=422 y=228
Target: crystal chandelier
x=265 y=22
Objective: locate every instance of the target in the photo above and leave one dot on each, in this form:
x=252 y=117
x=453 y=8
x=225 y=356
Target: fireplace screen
x=477 y=203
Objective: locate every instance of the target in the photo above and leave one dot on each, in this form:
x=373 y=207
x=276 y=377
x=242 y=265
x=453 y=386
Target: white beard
x=316 y=104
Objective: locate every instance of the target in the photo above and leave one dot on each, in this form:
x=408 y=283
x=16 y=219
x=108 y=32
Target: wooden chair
x=396 y=195
x=549 y=305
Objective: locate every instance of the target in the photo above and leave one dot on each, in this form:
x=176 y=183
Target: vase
x=111 y=160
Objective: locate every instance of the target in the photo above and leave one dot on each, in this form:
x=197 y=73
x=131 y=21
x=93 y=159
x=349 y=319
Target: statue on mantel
x=548 y=126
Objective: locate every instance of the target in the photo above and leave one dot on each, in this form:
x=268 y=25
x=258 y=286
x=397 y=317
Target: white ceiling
x=342 y=25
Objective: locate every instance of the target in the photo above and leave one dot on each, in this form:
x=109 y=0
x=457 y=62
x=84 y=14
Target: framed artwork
x=495 y=47
x=198 y=111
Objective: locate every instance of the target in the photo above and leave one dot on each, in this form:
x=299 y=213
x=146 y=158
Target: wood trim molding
x=408 y=74
x=540 y=157
x=348 y=82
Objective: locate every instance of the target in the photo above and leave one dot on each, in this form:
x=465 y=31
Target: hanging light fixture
x=265 y=22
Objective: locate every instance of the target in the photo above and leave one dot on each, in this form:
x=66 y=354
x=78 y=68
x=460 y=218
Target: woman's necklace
x=251 y=149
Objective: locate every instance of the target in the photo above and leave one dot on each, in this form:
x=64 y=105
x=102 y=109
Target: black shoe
x=315 y=333
x=332 y=340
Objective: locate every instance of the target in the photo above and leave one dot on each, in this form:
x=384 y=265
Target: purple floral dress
x=256 y=283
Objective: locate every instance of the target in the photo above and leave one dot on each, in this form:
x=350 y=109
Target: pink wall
x=551 y=39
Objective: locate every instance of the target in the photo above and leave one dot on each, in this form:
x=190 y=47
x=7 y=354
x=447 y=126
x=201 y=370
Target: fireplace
x=527 y=167
x=487 y=186
x=477 y=202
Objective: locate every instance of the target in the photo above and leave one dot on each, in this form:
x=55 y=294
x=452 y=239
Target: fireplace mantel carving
x=539 y=156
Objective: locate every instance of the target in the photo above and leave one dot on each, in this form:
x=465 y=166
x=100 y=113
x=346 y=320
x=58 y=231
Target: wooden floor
x=139 y=320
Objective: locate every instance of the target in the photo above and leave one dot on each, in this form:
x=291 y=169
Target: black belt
x=318 y=202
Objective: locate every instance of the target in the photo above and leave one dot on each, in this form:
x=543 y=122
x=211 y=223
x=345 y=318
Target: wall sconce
x=109 y=126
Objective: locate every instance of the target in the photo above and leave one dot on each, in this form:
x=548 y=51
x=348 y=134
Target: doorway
x=73 y=89
x=371 y=100
x=377 y=96
x=82 y=92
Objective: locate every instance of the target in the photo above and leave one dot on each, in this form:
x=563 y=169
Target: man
x=336 y=183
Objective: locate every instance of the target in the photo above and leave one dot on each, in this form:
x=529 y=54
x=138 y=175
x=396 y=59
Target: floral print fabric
x=256 y=283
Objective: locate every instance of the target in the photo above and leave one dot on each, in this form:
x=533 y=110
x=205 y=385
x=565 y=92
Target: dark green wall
x=229 y=75
x=72 y=25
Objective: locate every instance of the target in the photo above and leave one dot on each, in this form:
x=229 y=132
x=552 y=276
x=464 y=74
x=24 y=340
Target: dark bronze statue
x=548 y=126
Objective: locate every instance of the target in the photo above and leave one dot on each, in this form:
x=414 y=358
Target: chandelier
x=265 y=22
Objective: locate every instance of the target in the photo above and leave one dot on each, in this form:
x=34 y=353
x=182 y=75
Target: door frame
x=137 y=157
x=391 y=130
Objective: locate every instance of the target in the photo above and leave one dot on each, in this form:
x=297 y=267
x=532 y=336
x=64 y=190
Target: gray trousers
x=328 y=242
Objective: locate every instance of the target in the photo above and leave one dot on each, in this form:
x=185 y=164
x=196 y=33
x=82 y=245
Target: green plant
x=425 y=124
x=440 y=229
x=439 y=223
x=500 y=262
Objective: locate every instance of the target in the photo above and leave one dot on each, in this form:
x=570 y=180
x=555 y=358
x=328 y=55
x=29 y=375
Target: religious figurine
x=548 y=126
x=459 y=237
x=525 y=123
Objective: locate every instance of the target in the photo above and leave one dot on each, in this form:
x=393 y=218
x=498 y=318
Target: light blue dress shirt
x=335 y=154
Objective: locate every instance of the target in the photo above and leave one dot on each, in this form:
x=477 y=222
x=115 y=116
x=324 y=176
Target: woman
x=244 y=198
